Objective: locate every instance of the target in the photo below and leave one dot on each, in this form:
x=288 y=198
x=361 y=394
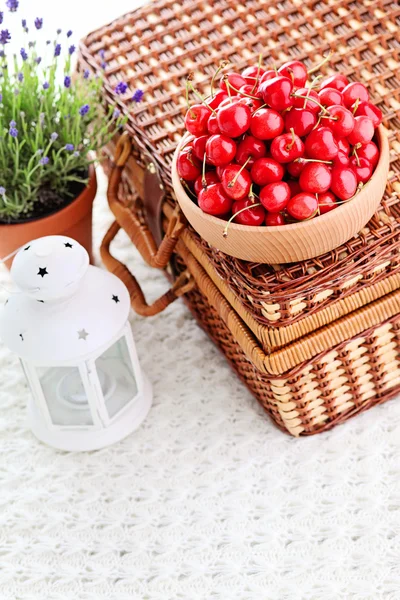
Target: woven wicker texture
x=156 y=47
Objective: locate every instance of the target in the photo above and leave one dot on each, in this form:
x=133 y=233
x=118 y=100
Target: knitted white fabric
x=207 y=499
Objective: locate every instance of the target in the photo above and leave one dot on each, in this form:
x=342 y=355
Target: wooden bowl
x=296 y=241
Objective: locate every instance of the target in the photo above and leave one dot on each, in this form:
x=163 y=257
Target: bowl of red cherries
x=278 y=165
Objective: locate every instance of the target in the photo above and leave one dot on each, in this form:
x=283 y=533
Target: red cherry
x=294 y=187
x=212 y=125
x=296 y=71
x=235 y=80
x=266 y=170
x=344 y=182
x=303 y=206
x=230 y=100
x=219 y=170
x=337 y=82
x=329 y=97
x=266 y=124
x=321 y=144
x=342 y=122
x=343 y=145
x=287 y=147
x=326 y=202
x=275 y=196
x=234 y=119
x=220 y=150
x=309 y=104
x=274 y=219
x=277 y=92
x=362 y=168
x=301 y=120
x=250 y=147
x=250 y=74
x=219 y=97
x=252 y=216
x=236 y=182
x=363 y=131
x=252 y=103
x=295 y=168
x=199 y=146
x=187 y=165
x=341 y=159
x=248 y=89
x=315 y=178
x=370 y=110
x=354 y=91
x=214 y=201
x=211 y=178
x=370 y=152
x=267 y=75
x=196 y=119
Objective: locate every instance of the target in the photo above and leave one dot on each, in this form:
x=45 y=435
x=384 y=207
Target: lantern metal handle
x=183 y=284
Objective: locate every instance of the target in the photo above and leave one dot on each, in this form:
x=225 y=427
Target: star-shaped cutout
x=82 y=334
x=27 y=248
x=42 y=272
x=21 y=336
x=116 y=299
x=68 y=245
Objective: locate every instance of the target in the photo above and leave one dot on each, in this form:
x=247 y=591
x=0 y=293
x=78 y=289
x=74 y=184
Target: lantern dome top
x=65 y=310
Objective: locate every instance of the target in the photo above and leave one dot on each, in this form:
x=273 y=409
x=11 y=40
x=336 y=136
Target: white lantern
x=68 y=323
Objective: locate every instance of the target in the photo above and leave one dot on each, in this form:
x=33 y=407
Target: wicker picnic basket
x=318 y=341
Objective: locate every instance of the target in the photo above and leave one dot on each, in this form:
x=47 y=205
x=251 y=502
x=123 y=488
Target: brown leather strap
x=183 y=284
x=139 y=232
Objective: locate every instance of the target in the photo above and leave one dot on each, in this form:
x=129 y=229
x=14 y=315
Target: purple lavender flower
x=102 y=53
x=24 y=54
x=137 y=96
x=67 y=81
x=20 y=76
x=1 y=17
x=121 y=87
x=2 y=191
x=57 y=50
x=76 y=153
x=58 y=31
x=1 y=97
x=41 y=118
x=84 y=110
x=44 y=160
x=86 y=74
x=54 y=136
x=13 y=131
x=12 y=5
x=12 y=123
x=31 y=44
x=38 y=60
x=16 y=92
x=69 y=33
x=38 y=23
x=71 y=49
x=48 y=42
x=46 y=85
x=69 y=147
x=23 y=23
x=116 y=113
x=40 y=151
x=5 y=36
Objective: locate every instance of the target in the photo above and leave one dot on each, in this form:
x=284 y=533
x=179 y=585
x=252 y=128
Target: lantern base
x=86 y=439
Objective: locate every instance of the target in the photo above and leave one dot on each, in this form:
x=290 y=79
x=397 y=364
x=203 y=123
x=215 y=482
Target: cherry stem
x=203 y=175
x=251 y=194
x=234 y=180
x=225 y=232
x=321 y=64
x=258 y=73
x=311 y=99
x=200 y=97
x=187 y=188
x=222 y=65
x=330 y=118
x=355 y=153
x=192 y=114
x=316 y=160
x=356 y=105
x=290 y=146
x=229 y=85
x=259 y=108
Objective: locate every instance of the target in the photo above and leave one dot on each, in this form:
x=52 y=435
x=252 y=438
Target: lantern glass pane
x=65 y=396
x=117 y=378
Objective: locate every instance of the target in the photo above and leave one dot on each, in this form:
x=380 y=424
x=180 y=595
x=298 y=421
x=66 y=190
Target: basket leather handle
x=138 y=232
x=183 y=284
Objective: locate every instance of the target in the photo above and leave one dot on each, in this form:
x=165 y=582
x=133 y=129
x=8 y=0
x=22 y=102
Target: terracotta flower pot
x=75 y=221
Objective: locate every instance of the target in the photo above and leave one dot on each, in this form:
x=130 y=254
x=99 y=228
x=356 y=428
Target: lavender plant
x=51 y=123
